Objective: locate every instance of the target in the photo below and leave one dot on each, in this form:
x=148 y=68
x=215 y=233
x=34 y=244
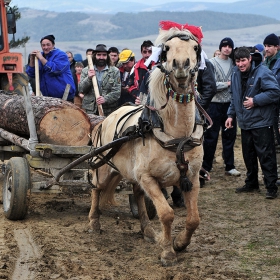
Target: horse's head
x=182 y=57
x=181 y=50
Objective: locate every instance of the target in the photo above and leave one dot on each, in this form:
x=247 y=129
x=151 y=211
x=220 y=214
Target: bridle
x=181 y=98
x=183 y=37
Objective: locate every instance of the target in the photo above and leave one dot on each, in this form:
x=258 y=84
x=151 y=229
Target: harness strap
x=183 y=165
x=130 y=113
x=130 y=131
x=173 y=144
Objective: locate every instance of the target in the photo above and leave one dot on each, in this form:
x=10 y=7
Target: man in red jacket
x=140 y=69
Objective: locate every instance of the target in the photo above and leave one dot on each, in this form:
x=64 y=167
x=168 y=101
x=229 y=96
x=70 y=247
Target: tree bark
x=57 y=121
x=95 y=120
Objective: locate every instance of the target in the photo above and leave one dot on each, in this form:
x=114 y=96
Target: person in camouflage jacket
x=109 y=84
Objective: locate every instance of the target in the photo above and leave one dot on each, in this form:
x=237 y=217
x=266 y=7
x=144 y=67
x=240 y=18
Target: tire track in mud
x=29 y=254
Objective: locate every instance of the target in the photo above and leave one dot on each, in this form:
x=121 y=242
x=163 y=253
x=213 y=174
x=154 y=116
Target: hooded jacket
x=54 y=75
x=263 y=87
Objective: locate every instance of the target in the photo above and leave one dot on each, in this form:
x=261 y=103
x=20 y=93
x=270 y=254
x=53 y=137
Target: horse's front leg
x=166 y=217
x=94 y=213
x=146 y=227
x=183 y=239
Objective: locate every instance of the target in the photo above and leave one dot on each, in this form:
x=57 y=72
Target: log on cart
x=57 y=121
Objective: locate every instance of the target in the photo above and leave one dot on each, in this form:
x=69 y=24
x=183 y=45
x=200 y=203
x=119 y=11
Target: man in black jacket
x=255 y=97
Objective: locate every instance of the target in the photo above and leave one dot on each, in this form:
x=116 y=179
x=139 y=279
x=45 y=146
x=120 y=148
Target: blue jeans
x=218 y=114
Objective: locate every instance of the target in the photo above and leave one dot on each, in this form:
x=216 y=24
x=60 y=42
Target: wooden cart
x=20 y=155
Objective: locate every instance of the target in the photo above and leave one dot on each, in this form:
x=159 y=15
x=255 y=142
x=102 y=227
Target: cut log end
x=67 y=126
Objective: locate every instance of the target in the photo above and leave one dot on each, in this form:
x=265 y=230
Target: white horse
x=149 y=166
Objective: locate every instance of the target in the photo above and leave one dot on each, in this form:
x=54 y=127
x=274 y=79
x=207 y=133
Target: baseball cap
x=125 y=56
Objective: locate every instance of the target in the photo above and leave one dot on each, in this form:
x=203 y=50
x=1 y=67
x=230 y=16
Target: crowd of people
x=238 y=86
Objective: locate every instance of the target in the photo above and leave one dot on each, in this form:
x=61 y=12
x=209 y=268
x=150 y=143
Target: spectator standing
x=217 y=110
x=88 y=51
x=127 y=61
x=108 y=80
x=78 y=96
x=54 y=69
x=206 y=87
x=72 y=62
x=114 y=56
x=216 y=53
x=206 y=83
x=140 y=69
x=255 y=97
x=272 y=61
x=259 y=48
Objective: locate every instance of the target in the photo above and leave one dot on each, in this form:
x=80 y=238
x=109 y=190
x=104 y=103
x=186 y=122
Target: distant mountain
x=269 y=8
x=77 y=26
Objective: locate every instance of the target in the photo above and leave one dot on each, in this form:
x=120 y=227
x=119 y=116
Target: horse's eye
x=195 y=48
x=167 y=48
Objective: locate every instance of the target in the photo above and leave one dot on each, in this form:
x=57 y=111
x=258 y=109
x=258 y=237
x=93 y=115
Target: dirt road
x=238 y=238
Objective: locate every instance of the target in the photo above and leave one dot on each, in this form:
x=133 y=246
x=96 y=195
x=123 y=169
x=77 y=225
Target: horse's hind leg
x=105 y=182
x=183 y=239
x=94 y=213
x=146 y=227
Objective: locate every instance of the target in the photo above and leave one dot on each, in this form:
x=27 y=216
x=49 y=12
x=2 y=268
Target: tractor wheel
x=19 y=81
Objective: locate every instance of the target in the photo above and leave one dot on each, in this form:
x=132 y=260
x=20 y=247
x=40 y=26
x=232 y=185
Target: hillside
x=245 y=36
x=77 y=26
x=270 y=8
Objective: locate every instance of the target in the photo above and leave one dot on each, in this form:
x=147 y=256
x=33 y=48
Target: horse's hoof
x=94 y=227
x=177 y=246
x=168 y=259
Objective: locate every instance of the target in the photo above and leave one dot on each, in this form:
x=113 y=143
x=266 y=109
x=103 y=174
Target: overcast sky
x=150 y=2
x=157 y=2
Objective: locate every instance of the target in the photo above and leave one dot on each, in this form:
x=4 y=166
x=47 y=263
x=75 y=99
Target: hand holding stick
x=95 y=85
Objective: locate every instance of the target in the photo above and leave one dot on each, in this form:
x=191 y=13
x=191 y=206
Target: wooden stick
x=66 y=92
x=37 y=77
x=95 y=85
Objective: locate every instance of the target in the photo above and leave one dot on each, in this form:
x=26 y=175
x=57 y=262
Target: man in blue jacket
x=54 y=69
x=255 y=97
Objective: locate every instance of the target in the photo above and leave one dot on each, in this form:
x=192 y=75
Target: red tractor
x=12 y=77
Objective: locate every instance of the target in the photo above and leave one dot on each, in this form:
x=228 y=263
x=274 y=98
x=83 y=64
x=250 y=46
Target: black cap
x=48 y=37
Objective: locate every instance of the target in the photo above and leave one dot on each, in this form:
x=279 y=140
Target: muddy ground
x=238 y=238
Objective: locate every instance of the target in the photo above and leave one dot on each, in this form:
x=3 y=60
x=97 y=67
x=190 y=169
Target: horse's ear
x=163 y=57
x=198 y=53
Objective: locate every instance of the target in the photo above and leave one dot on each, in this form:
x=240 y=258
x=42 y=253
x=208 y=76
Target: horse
x=144 y=161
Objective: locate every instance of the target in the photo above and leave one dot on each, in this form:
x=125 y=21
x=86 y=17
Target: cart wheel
x=15 y=187
x=151 y=210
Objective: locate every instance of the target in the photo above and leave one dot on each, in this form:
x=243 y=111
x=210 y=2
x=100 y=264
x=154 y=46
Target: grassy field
x=246 y=36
